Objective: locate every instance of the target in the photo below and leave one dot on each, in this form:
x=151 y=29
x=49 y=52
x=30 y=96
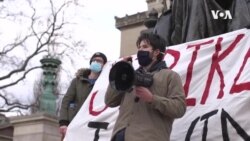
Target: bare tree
x=46 y=33
x=37 y=91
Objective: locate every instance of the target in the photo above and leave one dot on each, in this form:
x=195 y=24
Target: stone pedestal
x=6 y=132
x=36 y=127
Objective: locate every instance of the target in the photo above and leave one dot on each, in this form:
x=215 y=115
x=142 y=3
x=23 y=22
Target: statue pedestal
x=36 y=127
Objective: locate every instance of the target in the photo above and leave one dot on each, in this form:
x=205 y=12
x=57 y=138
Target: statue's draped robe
x=192 y=19
x=164 y=26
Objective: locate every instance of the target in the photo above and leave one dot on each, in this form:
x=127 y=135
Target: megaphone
x=121 y=76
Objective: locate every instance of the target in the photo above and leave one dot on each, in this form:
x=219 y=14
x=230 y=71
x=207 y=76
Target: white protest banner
x=216 y=78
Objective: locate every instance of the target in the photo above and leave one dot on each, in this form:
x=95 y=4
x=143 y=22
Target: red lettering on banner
x=91 y=105
x=175 y=54
x=215 y=66
x=189 y=74
x=236 y=88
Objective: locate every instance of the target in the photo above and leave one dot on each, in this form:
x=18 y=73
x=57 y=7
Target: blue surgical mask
x=95 y=67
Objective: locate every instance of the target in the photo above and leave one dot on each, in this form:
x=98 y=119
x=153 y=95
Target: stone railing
x=129 y=20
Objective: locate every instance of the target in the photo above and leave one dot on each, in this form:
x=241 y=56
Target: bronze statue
x=190 y=20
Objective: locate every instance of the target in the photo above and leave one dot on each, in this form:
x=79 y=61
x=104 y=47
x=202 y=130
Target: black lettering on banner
x=206 y=117
x=205 y=129
x=191 y=129
x=98 y=126
x=225 y=117
x=237 y=127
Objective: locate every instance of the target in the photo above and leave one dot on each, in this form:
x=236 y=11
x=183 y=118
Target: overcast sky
x=100 y=24
x=97 y=30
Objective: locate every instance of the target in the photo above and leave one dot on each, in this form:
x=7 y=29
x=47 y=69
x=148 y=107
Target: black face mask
x=144 y=58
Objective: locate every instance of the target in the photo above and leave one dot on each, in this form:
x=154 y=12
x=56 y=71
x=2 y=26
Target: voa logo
x=221 y=14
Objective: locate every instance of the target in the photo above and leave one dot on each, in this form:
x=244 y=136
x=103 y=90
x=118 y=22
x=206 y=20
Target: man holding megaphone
x=150 y=98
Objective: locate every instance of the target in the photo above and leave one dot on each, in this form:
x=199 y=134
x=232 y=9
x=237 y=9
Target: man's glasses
x=98 y=60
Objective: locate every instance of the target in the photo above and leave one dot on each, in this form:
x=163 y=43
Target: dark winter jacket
x=77 y=93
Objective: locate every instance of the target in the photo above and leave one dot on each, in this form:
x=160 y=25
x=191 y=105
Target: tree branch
x=13 y=105
x=23 y=67
x=21 y=78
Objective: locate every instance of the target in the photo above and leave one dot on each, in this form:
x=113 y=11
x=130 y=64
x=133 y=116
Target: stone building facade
x=132 y=25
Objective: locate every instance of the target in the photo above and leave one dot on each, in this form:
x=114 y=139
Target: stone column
x=36 y=127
